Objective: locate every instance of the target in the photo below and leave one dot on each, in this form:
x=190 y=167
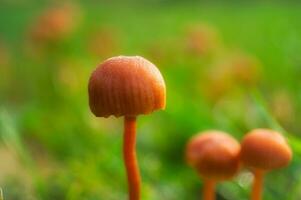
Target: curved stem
x=209 y=190
x=257 y=185
x=130 y=159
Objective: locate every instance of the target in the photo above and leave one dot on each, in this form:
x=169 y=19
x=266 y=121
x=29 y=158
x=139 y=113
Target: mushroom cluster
x=131 y=85
x=217 y=156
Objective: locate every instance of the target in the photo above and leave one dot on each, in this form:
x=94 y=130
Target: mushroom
x=201 y=39
x=263 y=150
x=54 y=24
x=215 y=156
x=127 y=86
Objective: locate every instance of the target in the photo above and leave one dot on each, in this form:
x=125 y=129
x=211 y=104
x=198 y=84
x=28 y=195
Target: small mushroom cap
x=265 y=149
x=214 y=154
x=126 y=86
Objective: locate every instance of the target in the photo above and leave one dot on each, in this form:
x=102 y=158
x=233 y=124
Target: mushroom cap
x=126 y=86
x=54 y=23
x=265 y=149
x=214 y=154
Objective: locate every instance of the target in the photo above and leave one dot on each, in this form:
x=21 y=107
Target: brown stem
x=257 y=185
x=130 y=159
x=209 y=190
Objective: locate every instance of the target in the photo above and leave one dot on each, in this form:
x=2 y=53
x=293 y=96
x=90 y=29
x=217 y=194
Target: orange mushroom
x=215 y=156
x=201 y=39
x=127 y=86
x=54 y=23
x=263 y=150
x=104 y=42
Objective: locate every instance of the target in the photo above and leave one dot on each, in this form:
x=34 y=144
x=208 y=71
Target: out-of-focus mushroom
x=263 y=150
x=127 y=86
x=228 y=73
x=282 y=107
x=215 y=156
x=217 y=83
x=245 y=69
x=103 y=42
x=54 y=24
x=201 y=39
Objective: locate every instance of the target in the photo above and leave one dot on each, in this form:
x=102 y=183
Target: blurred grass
x=66 y=153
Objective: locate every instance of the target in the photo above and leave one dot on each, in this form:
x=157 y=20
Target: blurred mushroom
x=245 y=69
x=201 y=39
x=127 y=86
x=229 y=73
x=282 y=107
x=70 y=76
x=215 y=156
x=103 y=42
x=54 y=24
x=263 y=150
x=217 y=82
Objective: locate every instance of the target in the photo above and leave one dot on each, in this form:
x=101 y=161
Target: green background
x=52 y=147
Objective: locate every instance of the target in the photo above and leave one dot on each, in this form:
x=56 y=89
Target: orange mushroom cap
x=265 y=149
x=214 y=154
x=54 y=23
x=126 y=86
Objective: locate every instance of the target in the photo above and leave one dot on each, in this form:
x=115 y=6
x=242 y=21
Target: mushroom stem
x=257 y=185
x=130 y=159
x=209 y=190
